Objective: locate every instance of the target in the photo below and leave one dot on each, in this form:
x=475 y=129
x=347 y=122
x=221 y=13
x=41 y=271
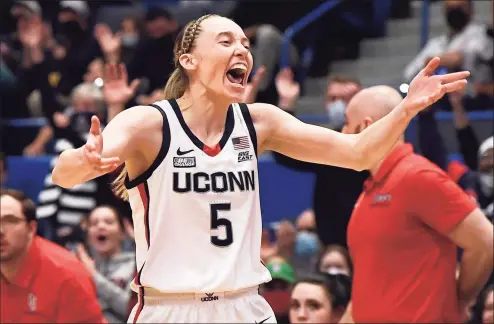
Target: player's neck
x=205 y=115
x=374 y=170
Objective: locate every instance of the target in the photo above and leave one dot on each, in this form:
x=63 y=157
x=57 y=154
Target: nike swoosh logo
x=263 y=320
x=183 y=152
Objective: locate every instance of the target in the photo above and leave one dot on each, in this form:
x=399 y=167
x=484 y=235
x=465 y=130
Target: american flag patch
x=240 y=143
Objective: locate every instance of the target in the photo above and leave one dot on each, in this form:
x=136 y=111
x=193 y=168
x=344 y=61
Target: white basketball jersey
x=197 y=215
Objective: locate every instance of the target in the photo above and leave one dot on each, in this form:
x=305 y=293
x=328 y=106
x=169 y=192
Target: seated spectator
x=307 y=245
x=112 y=268
x=131 y=34
x=119 y=46
x=277 y=291
x=335 y=259
x=465 y=45
x=320 y=298
x=336 y=189
x=40 y=281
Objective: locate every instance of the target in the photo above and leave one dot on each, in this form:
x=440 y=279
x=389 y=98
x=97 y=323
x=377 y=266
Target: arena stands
x=52 y=80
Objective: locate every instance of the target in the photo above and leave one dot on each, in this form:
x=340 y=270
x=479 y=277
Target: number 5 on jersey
x=218 y=222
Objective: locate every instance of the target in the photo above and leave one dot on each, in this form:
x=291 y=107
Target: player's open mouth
x=237 y=75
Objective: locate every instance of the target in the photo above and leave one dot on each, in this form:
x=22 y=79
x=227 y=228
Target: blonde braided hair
x=175 y=86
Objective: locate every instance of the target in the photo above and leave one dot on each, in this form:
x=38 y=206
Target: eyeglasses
x=8 y=222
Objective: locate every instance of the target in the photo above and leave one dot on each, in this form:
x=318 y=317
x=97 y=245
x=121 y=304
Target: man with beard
x=153 y=57
x=40 y=281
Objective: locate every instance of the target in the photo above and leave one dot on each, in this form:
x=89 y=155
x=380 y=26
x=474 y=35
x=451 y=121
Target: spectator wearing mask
x=153 y=57
x=40 y=281
x=462 y=48
x=307 y=245
x=131 y=34
x=277 y=291
x=479 y=158
x=112 y=268
x=336 y=189
x=335 y=259
x=76 y=46
x=120 y=46
x=320 y=298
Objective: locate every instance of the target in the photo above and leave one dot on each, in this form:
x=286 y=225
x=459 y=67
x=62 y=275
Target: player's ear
x=367 y=122
x=188 y=62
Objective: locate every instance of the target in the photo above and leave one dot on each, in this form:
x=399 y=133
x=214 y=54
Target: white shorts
x=245 y=306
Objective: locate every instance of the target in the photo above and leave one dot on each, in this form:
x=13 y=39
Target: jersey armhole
x=165 y=146
x=250 y=125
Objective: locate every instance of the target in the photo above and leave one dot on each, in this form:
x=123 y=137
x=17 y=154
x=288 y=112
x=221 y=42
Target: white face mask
x=336 y=113
x=486 y=182
x=130 y=40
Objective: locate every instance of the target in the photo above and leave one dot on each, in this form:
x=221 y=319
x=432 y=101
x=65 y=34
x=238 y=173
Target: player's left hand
x=427 y=88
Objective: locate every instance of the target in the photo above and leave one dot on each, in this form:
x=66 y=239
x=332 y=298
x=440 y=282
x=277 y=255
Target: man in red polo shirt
x=40 y=281
x=404 y=233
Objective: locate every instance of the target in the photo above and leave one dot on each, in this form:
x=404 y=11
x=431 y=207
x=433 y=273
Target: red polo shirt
x=404 y=265
x=52 y=286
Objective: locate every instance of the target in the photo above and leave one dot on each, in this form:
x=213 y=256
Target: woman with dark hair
x=320 y=298
x=335 y=258
x=112 y=268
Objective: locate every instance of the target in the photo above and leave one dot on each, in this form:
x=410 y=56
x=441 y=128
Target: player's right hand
x=94 y=147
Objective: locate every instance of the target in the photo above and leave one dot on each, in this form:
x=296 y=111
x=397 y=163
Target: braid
x=190 y=33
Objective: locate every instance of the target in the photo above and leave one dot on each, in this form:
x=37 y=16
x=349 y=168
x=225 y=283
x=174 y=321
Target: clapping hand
x=85 y=259
x=427 y=88
x=288 y=89
x=108 y=41
x=116 y=89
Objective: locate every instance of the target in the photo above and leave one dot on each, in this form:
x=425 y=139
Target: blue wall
x=284 y=193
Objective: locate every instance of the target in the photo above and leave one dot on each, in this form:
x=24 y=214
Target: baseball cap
x=31 y=5
x=79 y=7
x=282 y=271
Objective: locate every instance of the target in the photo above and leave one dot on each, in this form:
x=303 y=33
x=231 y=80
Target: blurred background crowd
x=64 y=61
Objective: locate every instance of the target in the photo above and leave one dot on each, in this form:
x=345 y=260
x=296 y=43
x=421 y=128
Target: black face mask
x=71 y=29
x=457 y=18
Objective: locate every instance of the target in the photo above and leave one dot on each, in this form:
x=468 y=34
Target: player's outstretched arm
x=105 y=150
x=281 y=132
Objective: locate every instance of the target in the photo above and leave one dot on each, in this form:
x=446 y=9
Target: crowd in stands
x=59 y=64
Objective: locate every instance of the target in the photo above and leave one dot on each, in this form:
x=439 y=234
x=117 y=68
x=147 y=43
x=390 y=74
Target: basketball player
x=191 y=174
